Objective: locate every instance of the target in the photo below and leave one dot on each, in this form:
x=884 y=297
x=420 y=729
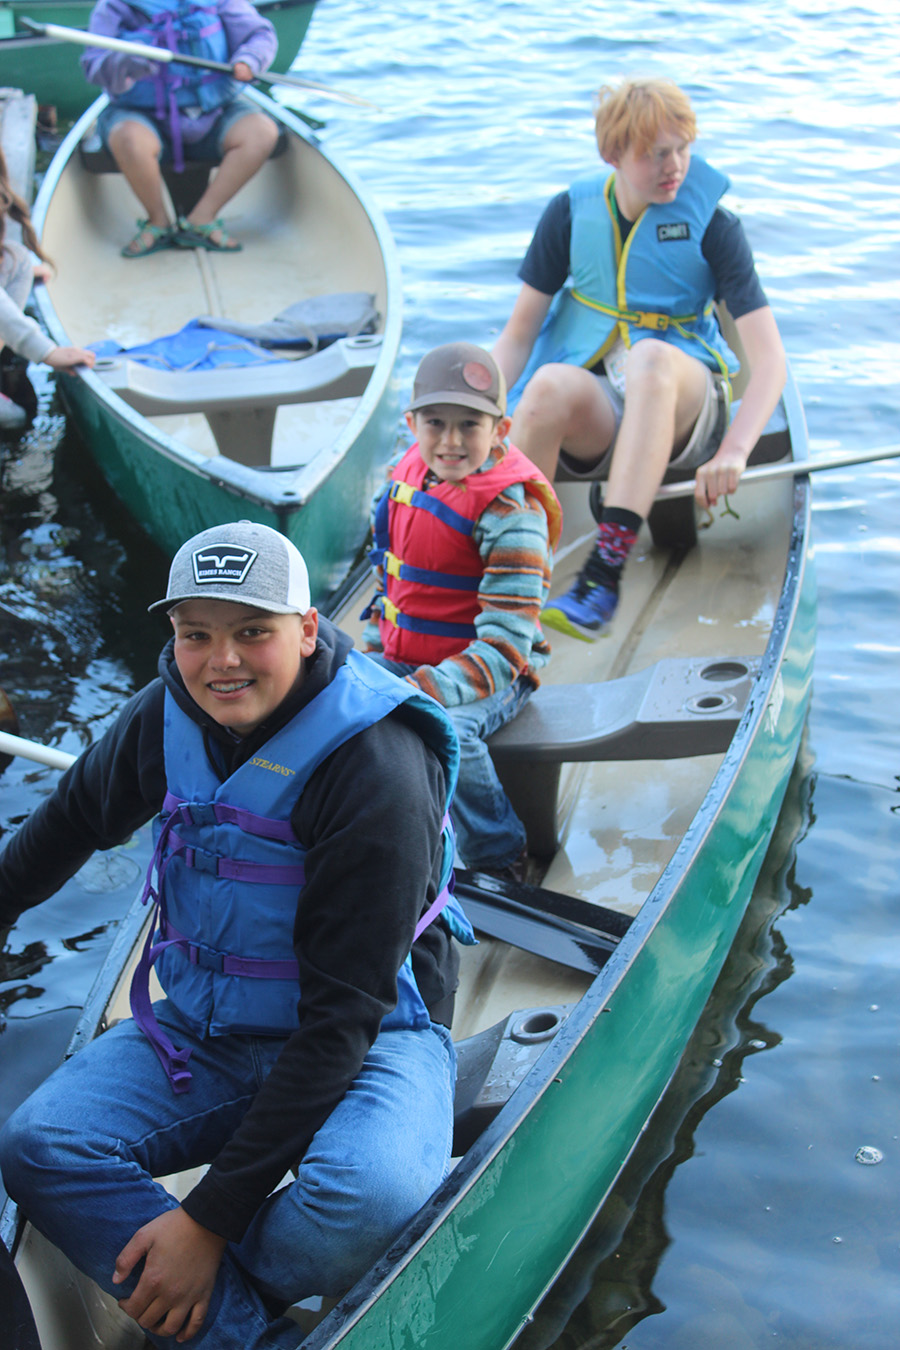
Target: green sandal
x=201 y=236
x=161 y=236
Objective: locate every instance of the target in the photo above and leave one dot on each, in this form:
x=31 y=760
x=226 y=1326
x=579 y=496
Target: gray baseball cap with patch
x=248 y=563
x=462 y=374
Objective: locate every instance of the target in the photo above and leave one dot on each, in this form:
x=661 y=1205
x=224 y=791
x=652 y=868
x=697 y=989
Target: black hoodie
x=370 y=819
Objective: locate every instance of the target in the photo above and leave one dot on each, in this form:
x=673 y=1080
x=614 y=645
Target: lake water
x=745 y=1219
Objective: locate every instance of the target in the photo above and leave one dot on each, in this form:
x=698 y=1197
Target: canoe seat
x=492 y=1064
x=677 y=708
x=241 y=411
x=185 y=188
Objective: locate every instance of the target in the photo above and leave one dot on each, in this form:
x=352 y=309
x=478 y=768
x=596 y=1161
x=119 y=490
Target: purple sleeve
x=251 y=38
x=114 y=71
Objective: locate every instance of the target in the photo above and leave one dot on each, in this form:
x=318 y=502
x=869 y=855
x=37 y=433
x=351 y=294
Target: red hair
x=632 y=115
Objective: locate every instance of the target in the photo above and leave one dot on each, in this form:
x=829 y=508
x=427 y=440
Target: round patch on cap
x=477 y=376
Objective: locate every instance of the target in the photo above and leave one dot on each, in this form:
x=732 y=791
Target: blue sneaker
x=584 y=611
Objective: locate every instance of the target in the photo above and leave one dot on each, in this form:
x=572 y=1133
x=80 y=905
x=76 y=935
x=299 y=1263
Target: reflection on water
x=745 y=1218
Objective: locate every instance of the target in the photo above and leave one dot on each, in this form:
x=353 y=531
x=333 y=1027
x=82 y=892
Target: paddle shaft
x=162 y=54
x=763 y=472
x=41 y=754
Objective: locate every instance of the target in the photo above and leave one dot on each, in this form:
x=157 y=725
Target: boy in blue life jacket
x=304 y=940
x=163 y=111
x=464 y=536
x=613 y=348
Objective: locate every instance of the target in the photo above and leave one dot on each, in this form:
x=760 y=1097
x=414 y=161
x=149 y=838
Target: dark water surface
x=745 y=1219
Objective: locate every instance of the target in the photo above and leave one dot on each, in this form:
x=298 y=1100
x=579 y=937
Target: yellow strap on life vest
x=389 y=610
x=391 y=564
x=402 y=492
x=638 y=318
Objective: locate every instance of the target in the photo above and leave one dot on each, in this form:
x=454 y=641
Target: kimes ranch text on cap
x=222 y=562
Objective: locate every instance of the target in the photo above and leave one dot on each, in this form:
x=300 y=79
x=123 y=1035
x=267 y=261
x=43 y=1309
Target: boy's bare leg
x=136 y=150
x=563 y=405
x=665 y=389
x=664 y=393
x=248 y=144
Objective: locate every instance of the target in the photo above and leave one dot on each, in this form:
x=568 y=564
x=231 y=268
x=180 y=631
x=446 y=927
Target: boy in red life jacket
x=463 y=547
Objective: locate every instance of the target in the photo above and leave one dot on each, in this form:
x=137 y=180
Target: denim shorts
x=209 y=148
x=709 y=428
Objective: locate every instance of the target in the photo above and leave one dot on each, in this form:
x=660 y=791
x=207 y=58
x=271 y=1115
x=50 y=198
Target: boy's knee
x=20 y=1150
x=650 y=362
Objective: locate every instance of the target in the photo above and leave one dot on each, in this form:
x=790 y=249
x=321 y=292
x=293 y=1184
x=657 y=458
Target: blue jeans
x=79 y=1157
x=488 y=831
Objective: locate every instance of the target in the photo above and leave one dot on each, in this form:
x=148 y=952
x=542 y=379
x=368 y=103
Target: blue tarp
x=194 y=347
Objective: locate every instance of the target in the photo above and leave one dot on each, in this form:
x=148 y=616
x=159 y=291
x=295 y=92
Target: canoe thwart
x=241 y=412
x=492 y=1064
x=676 y=709
x=561 y=928
x=186 y=186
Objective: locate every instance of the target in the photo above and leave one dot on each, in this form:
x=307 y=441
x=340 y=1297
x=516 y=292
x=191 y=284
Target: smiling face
x=651 y=177
x=239 y=663
x=455 y=441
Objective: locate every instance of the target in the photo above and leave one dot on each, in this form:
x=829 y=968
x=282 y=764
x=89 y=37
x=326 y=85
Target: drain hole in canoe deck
x=724 y=670
x=539 y=1026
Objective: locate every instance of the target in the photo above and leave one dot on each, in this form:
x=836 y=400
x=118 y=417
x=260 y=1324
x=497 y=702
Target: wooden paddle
x=763 y=472
x=162 y=54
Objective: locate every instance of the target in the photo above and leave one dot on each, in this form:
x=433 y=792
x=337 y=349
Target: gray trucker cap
x=245 y=562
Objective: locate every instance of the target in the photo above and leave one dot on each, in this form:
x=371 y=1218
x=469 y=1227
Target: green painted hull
x=175 y=491
x=52 y=72
x=173 y=498
x=479 y=1260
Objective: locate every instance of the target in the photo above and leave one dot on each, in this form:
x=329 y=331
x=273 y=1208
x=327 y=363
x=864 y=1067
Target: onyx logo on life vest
x=223 y=562
x=678 y=230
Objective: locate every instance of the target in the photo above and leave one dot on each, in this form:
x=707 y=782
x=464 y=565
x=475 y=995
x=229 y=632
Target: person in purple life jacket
x=305 y=940
x=162 y=112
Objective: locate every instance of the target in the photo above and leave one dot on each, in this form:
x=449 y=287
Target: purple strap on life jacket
x=167 y=86
x=174 y=1061
x=223 y=814
x=256 y=968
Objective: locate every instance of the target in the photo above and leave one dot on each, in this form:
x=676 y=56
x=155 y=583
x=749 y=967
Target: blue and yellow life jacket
x=656 y=284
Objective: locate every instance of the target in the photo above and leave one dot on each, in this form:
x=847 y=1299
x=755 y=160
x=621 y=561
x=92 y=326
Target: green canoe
x=650 y=769
x=51 y=70
x=296 y=444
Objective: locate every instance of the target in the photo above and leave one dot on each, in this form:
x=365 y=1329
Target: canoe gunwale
x=597 y=1000
x=282 y=491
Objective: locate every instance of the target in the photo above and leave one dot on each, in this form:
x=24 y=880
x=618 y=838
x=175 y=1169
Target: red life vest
x=432 y=567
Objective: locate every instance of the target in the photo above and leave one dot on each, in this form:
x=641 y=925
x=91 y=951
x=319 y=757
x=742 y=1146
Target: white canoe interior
x=305 y=233
x=619 y=822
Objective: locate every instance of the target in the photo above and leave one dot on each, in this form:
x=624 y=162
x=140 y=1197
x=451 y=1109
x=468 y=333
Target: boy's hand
x=181 y=1261
x=720 y=475
x=241 y=71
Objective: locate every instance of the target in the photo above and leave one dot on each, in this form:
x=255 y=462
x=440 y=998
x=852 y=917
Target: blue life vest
x=657 y=284
x=228 y=879
x=180 y=26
